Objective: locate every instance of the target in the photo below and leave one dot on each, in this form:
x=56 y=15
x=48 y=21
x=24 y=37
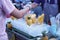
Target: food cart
x=25 y=32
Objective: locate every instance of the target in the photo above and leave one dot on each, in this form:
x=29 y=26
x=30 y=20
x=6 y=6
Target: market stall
x=34 y=31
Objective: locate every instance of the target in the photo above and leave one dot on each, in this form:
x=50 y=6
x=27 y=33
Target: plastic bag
x=50 y=9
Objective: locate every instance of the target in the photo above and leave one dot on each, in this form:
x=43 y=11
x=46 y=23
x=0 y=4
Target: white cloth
x=33 y=30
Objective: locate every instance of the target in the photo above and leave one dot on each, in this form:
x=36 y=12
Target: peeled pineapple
x=41 y=19
x=12 y=17
x=30 y=19
x=9 y=25
x=33 y=17
x=44 y=37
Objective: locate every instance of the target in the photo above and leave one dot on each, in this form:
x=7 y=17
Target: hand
x=33 y=5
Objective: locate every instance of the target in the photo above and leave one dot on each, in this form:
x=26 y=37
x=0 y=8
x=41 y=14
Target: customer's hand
x=33 y=5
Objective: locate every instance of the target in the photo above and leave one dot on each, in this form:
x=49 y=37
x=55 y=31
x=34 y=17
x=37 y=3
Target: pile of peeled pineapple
x=31 y=19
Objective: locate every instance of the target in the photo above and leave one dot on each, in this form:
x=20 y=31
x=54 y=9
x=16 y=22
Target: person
x=13 y=1
x=18 y=5
x=24 y=1
x=58 y=5
x=17 y=0
x=39 y=9
x=7 y=8
x=40 y=1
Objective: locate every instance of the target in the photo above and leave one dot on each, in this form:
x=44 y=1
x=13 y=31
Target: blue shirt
x=39 y=1
x=52 y=1
x=24 y=1
x=17 y=0
x=43 y=1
